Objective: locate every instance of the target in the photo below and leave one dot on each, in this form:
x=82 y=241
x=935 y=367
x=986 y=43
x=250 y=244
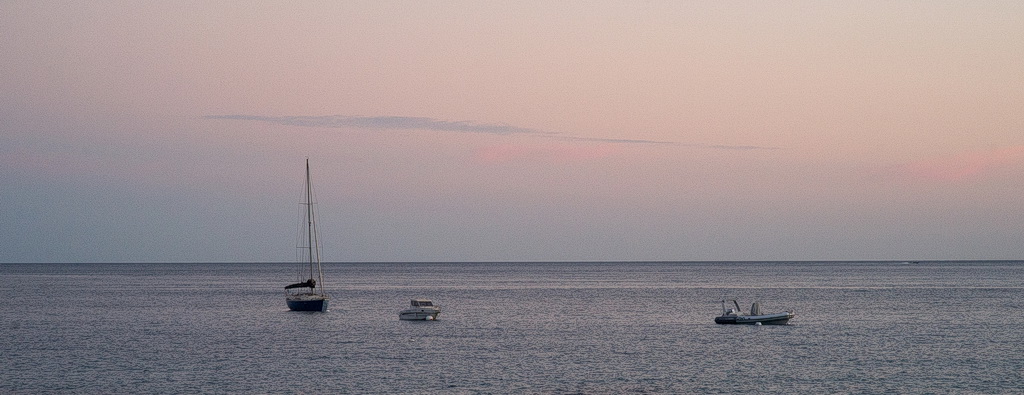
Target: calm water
x=933 y=327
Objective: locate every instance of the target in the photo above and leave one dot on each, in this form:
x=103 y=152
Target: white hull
x=418 y=314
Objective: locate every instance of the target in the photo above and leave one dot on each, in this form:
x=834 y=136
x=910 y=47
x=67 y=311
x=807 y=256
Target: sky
x=512 y=131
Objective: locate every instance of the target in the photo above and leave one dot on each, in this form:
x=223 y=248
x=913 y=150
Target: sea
x=928 y=327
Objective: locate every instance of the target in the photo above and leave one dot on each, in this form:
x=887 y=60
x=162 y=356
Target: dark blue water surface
x=863 y=327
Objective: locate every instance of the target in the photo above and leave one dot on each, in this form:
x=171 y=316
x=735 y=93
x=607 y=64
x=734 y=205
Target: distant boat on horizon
x=308 y=293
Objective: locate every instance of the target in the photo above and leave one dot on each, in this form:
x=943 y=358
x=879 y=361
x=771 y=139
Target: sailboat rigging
x=309 y=294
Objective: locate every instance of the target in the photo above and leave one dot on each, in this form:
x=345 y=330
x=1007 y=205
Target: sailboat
x=308 y=294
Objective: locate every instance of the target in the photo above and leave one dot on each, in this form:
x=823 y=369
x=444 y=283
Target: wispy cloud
x=547 y=151
x=386 y=122
x=635 y=141
x=614 y=141
x=424 y=123
x=732 y=147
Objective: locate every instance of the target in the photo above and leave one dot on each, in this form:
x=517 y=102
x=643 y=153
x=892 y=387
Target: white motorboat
x=754 y=317
x=420 y=309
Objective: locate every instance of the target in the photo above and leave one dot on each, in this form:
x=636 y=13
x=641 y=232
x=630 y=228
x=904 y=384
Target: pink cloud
x=553 y=152
x=966 y=165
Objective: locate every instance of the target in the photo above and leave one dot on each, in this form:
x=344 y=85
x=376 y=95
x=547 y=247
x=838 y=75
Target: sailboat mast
x=319 y=269
x=309 y=218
